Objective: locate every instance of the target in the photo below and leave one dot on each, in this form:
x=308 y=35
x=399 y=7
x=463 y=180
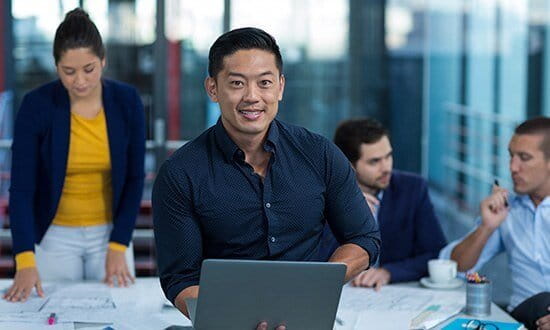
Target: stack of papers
x=435 y=314
x=93 y=304
x=362 y=308
x=90 y=302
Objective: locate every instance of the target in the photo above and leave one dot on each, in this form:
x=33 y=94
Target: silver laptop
x=239 y=294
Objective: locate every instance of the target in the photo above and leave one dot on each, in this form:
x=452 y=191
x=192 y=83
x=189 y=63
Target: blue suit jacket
x=410 y=232
x=39 y=159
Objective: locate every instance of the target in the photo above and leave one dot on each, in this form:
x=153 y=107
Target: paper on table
x=364 y=308
x=35 y=326
x=443 y=307
x=81 y=296
x=144 y=294
x=33 y=304
x=174 y=317
x=346 y=320
x=158 y=321
x=389 y=298
x=399 y=304
x=26 y=317
x=379 y=320
x=70 y=316
x=82 y=302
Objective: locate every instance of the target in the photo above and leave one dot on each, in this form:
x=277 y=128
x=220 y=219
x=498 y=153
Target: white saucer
x=454 y=283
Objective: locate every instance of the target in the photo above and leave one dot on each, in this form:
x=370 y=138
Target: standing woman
x=77 y=169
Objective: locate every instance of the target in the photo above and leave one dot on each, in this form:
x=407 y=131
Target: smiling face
x=248 y=90
x=374 y=166
x=80 y=72
x=529 y=167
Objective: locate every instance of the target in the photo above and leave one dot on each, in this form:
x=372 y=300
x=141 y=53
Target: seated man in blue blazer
x=411 y=234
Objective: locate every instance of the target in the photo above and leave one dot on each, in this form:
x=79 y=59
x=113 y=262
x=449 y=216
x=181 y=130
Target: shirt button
x=268 y=205
x=273 y=239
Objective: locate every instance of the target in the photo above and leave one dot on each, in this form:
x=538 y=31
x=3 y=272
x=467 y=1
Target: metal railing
x=475 y=151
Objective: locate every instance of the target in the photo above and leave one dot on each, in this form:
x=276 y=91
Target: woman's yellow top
x=87 y=195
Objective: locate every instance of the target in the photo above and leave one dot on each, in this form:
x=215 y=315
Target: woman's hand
x=25 y=279
x=116 y=267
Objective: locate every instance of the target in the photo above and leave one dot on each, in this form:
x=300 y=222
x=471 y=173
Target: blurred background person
x=77 y=169
x=518 y=225
x=410 y=231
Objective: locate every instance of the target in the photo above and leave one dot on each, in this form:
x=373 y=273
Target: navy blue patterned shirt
x=209 y=203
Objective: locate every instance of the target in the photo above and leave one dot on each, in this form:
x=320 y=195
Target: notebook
x=460 y=324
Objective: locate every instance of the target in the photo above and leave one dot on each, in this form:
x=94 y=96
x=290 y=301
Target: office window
x=313 y=36
x=477 y=94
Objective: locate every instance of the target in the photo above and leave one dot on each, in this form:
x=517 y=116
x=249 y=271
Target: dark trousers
x=532 y=309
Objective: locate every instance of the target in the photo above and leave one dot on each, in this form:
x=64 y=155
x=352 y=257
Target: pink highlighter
x=52 y=319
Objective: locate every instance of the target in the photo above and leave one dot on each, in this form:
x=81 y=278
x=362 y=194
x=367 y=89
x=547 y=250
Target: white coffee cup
x=442 y=270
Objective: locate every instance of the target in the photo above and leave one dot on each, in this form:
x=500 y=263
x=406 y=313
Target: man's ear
x=282 y=82
x=211 y=88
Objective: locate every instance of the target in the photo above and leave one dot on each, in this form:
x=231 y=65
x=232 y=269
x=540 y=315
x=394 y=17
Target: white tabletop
x=142 y=306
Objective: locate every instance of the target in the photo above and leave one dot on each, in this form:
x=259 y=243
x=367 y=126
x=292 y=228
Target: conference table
x=143 y=306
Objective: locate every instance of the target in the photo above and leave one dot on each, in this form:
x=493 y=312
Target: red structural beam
x=174 y=90
x=3 y=23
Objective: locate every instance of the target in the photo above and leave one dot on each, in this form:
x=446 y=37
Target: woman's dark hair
x=77 y=31
x=243 y=38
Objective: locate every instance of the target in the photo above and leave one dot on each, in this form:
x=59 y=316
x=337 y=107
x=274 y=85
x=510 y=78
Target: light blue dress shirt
x=525 y=237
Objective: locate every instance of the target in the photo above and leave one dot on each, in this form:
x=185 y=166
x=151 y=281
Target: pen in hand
x=505 y=200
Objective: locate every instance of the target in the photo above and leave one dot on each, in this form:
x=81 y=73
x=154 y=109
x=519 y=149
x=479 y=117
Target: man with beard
x=410 y=232
x=518 y=225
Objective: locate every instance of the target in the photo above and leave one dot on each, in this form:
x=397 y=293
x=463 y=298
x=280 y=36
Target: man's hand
x=373 y=277
x=264 y=326
x=494 y=208
x=115 y=266
x=544 y=322
x=372 y=202
x=25 y=279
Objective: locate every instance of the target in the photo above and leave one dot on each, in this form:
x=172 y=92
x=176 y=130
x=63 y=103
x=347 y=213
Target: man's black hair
x=350 y=134
x=238 y=39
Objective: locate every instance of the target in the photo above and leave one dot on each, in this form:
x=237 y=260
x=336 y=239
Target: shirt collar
x=526 y=201
x=230 y=149
x=272 y=139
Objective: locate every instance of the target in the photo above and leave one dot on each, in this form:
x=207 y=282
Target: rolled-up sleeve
x=347 y=212
x=177 y=233
x=493 y=247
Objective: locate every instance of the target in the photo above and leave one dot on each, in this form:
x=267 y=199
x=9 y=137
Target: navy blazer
x=410 y=232
x=39 y=160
